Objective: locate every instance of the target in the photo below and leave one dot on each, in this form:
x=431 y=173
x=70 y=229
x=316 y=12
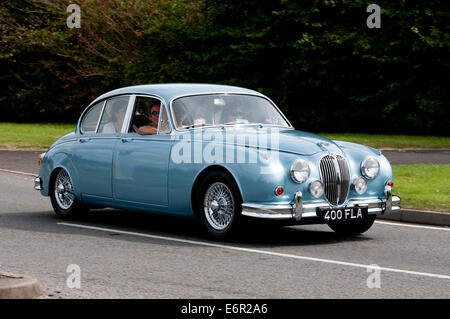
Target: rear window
x=90 y=120
x=113 y=115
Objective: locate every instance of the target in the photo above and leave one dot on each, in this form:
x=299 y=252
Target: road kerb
x=420 y=217
x=18 y=287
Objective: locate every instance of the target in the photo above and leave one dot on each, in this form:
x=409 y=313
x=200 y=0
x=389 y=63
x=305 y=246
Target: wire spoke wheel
x=219 y=206
x=63 y=190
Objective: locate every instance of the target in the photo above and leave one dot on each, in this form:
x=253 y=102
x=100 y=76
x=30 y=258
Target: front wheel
x=62 y=197
x=219 y=205
x=353 y=227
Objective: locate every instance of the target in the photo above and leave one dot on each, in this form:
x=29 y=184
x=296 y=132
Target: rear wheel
x=218 y=205
x=62 y=197
x=353 y=227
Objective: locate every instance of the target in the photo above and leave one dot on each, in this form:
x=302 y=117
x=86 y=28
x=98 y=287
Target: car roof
x=169 y=91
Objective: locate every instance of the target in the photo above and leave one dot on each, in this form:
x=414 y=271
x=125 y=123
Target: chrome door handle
x=124 y=140
x=84 y=140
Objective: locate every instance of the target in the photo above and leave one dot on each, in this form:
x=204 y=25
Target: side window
x=90 y=120
x=146 y=114
x=164 y=125
x=113 y=115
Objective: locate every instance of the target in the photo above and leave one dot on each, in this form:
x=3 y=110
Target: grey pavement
x=13 y=286
x=404 y=157
x=23 y=161
x=122 y=265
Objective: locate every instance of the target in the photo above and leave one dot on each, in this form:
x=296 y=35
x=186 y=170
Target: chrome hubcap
x=64 y=190
x=60 y=188
x=214 y=205
x=219 y=206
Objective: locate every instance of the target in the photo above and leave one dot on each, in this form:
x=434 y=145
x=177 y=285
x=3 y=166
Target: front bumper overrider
x=298 y=209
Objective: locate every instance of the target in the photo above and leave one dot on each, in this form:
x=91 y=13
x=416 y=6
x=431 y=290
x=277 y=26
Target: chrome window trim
x=163 y=107
x=225 y=93
x=101 y=115
x=128 y=114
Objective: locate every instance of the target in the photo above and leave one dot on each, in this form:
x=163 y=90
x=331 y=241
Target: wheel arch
x=201 y=176
x=66 y=165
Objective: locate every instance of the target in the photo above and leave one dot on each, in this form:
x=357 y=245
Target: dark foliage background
x=316 y=59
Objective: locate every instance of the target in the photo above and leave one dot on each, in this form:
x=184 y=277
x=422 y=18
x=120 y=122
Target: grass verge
x=423 y=186
x=392 y=141
x=31 y=136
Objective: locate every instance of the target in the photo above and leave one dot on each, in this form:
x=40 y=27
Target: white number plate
x=341 y=214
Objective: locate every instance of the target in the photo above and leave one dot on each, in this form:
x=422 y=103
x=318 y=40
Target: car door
x=141 y=161
x=94 y=152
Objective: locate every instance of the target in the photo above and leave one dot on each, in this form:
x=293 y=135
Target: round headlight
x=316 y=188
x=300 y=170
x=370 y=167
x=360 y=185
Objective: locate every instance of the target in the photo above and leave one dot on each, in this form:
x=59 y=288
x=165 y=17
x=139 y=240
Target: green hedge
x=316 y=59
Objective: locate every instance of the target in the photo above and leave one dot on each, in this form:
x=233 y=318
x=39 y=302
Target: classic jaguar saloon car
x=218 y=153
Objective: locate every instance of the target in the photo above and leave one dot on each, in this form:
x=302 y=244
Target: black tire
x=71 y=207
x=353 y=227
x=230 y=213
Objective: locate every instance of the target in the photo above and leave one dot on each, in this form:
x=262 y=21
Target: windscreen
x=225 y=109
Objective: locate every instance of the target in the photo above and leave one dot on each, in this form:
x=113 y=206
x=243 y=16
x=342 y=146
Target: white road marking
x=257 y=251
x=413 y=226
x=18 y=172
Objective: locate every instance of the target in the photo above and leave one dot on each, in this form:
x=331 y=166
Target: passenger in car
x=116 y=118
x=152 y=126
x=236 y=115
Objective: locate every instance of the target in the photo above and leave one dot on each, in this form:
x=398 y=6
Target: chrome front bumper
x=37 y=183
x=298 y=210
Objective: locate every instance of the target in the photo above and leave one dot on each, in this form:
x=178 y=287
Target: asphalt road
x=130 y=255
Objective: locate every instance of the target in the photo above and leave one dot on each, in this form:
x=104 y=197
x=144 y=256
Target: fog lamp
x=316 y=188
x=360 y=185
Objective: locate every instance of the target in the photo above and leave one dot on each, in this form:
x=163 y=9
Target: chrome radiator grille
x=335 y=178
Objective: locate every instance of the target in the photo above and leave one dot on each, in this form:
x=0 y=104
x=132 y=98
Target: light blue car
x=218 y=153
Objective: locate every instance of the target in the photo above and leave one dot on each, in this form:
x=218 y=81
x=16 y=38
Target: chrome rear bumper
x=299 y=210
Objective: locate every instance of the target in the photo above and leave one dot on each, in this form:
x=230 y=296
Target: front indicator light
x=360 y=185
x=40 y=157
